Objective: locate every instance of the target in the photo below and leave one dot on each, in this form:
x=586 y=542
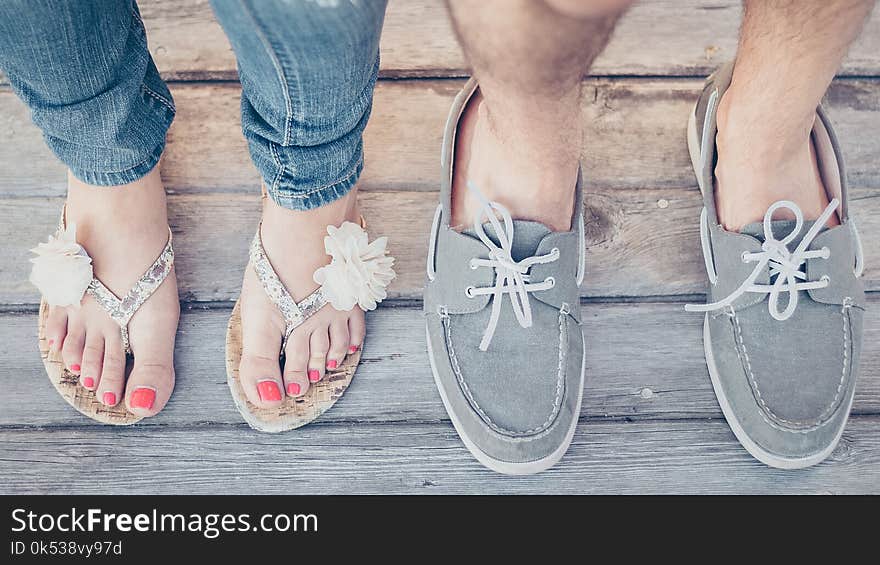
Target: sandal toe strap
x=121 y=310
x=294 y=313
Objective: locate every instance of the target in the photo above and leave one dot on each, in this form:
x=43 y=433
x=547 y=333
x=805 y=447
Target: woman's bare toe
x=112 y=382
x=56 y=327
x=319 y=345
x=92 y=360
x=149 y=386
x=357 y=329
x=296 y=364
x=74 y=342
x=339 y=339
x=261 y=379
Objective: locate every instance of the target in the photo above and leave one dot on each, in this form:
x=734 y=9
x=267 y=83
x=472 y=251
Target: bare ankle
x=334 y=213
x=138 y=205
x=760 y=163
x=526 y=164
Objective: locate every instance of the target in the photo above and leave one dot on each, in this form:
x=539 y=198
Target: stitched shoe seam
x=562 y=357
x=779 y=423
x=534 y=433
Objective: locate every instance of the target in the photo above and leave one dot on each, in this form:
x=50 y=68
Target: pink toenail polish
x=74 y=367
x=331 y=364
x=268 y=391
x=293 y=389
x=143 y=397
x=314 y=375
x=353 y=349
x=110 y=399
x=88 y=382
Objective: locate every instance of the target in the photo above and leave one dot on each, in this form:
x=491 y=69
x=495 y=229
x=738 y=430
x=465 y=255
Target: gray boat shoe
x=783 y=327
x=502 y=312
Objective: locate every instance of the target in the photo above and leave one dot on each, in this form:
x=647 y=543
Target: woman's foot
x=123 y=229
x=294 y=243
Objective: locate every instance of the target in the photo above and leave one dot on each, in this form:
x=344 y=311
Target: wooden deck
x=650 y=422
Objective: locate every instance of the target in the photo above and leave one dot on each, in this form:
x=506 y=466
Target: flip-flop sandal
x=339 y=290
x=63 y=273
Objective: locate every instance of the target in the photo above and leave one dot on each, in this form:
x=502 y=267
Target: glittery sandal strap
x=294 y=313
x=121 y=310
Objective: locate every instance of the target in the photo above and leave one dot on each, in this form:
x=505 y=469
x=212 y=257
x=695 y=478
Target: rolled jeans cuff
x=287 y=195
x=115 y=178
x=161 y=116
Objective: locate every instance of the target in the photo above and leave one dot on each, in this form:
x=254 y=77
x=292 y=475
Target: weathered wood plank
x=656 y=37
x=640 y=242
x=635 y=137
x=206 y=150
x=654 y=372
x=622 y=458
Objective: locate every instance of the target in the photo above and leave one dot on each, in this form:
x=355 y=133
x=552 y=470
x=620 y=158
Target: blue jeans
x=307 y=70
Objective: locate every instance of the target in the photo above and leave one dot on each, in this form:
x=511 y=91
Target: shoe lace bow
x=511 y=277
x=783 y=264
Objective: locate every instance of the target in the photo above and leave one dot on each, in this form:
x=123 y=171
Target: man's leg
x=502 y=311
x=84 y=71
x=788 y=53
x=782 y=369
x=522 y=143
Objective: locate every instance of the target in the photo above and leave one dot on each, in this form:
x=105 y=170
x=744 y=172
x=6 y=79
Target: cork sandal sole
x=293 y=412
x=67 y=384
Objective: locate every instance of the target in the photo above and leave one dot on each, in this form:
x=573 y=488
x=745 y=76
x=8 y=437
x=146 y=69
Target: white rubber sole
x=753 y=448
x=747 y=442
x=507 y=467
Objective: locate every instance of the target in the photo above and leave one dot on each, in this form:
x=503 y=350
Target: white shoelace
x=785 y=265
x=511 y=277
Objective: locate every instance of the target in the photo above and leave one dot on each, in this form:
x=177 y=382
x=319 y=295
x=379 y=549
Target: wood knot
x=598 y=225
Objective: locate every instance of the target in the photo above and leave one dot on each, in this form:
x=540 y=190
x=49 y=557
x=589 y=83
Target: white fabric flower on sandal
x=359 y=270
x=62 y=269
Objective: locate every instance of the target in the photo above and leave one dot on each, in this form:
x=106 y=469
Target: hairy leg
x=789 y=51
x=520 y=140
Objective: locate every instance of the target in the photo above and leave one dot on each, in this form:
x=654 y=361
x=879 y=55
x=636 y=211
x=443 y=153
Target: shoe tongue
x=527 y=236
x=781 y=229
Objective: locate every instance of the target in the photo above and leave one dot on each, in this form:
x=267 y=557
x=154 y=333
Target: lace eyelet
x=469 y=291
x=743 y=257
x=551 y=281
x=473 y=265
x=825 y=278
x=555 y=251
x=826 y=252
